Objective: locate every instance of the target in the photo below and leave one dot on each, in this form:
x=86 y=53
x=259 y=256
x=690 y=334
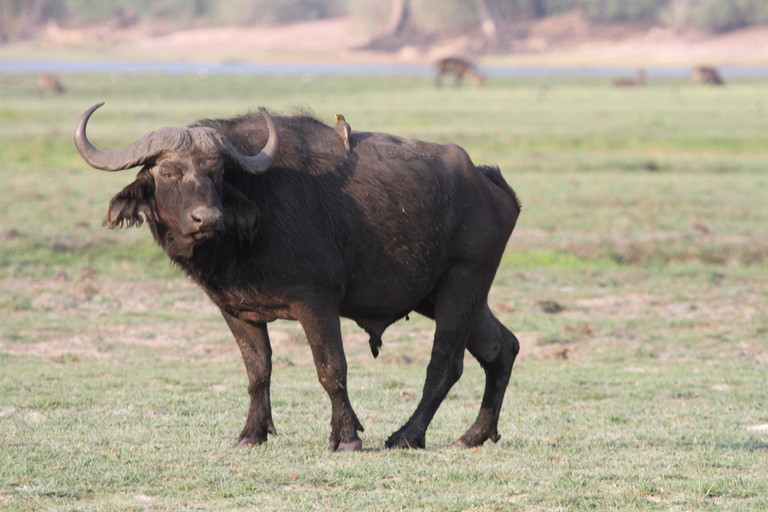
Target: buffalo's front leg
x=323 y=330
x=253 y=341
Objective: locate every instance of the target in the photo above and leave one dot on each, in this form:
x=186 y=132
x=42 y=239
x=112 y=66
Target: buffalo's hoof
x=355 y=445
x=351 y=446
x=403 y=440
x=460 y=444
x=474 y=441
x=246 y=442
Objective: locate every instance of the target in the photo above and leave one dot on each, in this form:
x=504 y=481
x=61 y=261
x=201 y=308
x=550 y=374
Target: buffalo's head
x=181 y=187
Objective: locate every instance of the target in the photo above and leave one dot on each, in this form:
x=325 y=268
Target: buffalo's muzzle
x=202 y=222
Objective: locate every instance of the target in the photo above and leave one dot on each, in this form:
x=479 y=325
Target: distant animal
x=638 y=81
x=706 y=75
x=342 y=129
x=459 y=68
x=274 y=221
x=49 y=83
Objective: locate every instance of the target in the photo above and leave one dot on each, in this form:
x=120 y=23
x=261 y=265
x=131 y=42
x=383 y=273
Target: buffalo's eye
x=168 y=175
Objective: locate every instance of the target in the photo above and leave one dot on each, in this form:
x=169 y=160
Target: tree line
x=23 y=18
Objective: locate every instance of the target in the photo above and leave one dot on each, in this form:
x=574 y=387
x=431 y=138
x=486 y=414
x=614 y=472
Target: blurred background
x=671 y=32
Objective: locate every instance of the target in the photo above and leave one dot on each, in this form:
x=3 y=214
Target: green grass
x=636 y=281
x=605 y=436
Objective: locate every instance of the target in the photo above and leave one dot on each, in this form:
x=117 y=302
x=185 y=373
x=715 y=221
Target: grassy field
x=637 y=282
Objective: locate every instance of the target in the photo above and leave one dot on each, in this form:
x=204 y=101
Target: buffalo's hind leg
x=456 y=306
x=495 y=348
x=253 y=341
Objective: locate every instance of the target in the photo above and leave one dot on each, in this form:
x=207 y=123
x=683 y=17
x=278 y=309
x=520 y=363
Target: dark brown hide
x=394 y=227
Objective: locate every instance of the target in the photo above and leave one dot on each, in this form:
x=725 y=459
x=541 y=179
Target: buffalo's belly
x=393 y=298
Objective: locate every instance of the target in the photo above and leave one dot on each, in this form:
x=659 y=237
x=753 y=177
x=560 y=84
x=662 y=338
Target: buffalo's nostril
x=204 y=218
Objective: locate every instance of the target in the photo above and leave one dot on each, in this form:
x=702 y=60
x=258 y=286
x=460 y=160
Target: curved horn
x=138 y=153
x=258 y=164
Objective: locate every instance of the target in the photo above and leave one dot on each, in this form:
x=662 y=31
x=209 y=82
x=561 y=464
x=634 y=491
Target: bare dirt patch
x=171 y=340
x=570 y=38
x=86 y=315
x=92 y=317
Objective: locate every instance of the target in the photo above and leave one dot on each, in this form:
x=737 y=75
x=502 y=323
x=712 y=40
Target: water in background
x=317 y=69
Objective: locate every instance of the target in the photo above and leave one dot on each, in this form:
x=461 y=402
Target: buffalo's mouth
x=206 y=234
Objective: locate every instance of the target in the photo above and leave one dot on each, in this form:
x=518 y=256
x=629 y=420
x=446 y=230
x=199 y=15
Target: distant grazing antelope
x=638 y=81
x=459 y=68
x=706 y=75
x=49 y=83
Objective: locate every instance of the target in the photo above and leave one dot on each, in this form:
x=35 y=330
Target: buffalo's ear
x=240 y=213
x=127 y=206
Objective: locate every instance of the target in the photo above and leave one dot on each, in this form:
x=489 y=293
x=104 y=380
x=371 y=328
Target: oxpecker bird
x=342 y=129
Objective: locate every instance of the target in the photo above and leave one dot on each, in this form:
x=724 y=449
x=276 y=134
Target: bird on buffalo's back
x=342 y=129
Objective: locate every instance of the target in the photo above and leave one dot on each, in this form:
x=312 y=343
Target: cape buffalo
x=274 y=220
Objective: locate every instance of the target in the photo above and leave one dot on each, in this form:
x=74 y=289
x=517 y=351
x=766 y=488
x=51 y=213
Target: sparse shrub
x=609 y=11
x=240 y=12
x=434 y=15
x=183 y=12
x=721 y=16
x=596 y=10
